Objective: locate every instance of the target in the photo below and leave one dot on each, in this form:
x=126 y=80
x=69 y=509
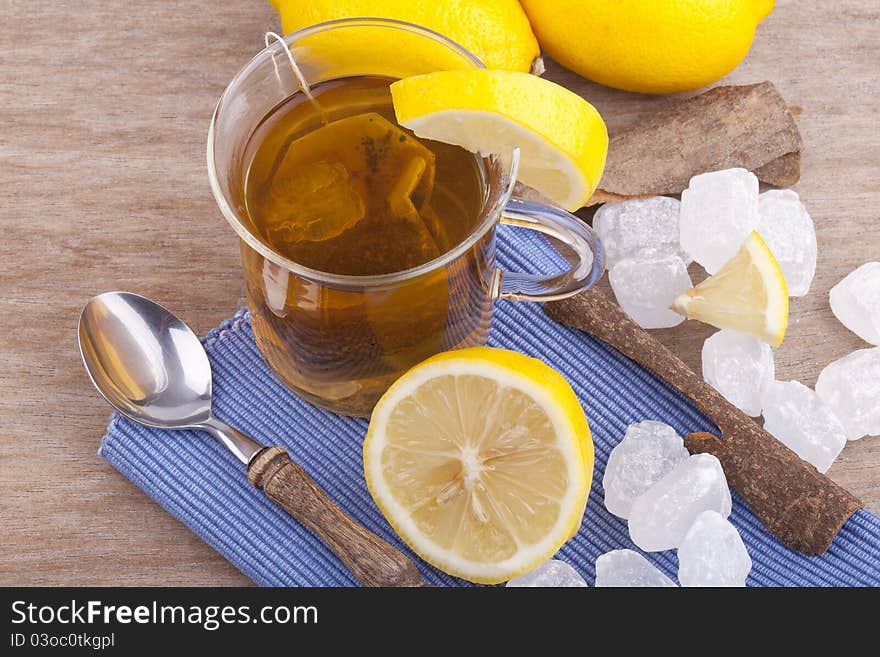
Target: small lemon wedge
x=562 y=138
x=748 y=294
x=481 y=460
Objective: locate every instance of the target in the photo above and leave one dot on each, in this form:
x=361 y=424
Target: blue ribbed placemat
x=199 y=482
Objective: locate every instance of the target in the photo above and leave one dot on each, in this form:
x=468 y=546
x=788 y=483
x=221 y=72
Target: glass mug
x=340 y=341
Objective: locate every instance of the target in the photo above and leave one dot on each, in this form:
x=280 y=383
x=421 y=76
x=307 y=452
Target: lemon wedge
x=481 y=460
x=748 y=294
x=562 y=138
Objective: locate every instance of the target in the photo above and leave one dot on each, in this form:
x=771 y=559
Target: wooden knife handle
x=802 y=507
x=373 y=561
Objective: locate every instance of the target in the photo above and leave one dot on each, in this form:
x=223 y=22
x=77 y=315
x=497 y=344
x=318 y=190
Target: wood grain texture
x=748 y=126
x=803 y=508
x=105 y=109
x=370 y=559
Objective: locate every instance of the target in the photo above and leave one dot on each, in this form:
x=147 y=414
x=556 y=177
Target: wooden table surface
x=104 y=109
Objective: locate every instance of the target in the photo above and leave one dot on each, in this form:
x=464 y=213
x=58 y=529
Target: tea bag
x=357 y=183
x=436 y=228
x=408 y=189
x=314 y=203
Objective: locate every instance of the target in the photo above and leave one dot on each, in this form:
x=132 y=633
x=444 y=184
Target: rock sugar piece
x=738 y=366
x=662 y=515
x=628 y=568
x=713 y=554
x=803 y=422
x=855 y=301
x=647 y=283
x=553 y=573
x=787 y=228
x=649 y=450
x=628 y=227
x=718 y=211
x=851 y=387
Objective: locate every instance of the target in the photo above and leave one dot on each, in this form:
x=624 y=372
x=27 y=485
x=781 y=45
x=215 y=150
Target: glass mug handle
x=568 y=229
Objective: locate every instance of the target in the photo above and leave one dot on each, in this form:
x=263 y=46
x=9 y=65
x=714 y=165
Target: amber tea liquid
x=339 y=187
x=343 y=189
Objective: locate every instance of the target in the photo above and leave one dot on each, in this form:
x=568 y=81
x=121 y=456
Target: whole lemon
x=496 y=31
x=649 y=46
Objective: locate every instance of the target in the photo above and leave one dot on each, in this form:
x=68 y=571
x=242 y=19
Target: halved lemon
x=748 y=294
x=481 y=459
x=562 y=138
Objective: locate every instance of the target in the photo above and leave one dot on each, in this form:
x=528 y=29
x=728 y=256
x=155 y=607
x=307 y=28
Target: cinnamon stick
x=731 y=126
x=802 y=507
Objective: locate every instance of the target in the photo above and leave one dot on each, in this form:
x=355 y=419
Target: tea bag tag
x=301 y=81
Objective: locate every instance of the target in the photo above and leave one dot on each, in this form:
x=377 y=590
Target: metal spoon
x=153 y=369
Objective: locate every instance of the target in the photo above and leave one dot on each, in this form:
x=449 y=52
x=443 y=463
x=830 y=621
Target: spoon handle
x=373 y=561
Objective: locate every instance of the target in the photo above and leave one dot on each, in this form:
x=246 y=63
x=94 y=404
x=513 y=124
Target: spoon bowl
x=145 y=361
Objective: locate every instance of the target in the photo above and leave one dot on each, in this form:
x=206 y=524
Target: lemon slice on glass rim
x=481 y=459
x=562 y=139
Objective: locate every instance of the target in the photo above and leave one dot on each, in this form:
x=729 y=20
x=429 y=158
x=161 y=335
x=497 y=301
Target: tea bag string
x=301 y=81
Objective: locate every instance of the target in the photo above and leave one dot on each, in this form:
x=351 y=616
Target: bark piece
x=802 y=507
x=746 y=126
